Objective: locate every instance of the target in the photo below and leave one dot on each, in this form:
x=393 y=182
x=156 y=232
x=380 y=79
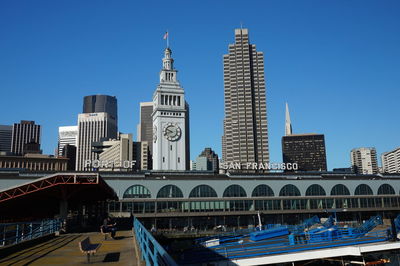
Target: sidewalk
x=64 y=250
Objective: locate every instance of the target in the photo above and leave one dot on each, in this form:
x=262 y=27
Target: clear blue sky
x=337 y=64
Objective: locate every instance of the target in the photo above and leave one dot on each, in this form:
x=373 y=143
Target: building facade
x=145 y=134
x=207 y=161
x=245 y=136
x=5 y=138
x=307 y=150
x=101 y=104
x=364 y=160
x=34 y=162
x=92 y=127
x=67 y=135
x=391 y=161
x=170 y=120
x=23 y=133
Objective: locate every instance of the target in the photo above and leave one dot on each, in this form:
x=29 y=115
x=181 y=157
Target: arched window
x=315 y=190
x=340 y=189
x=262 y=191
x=203 y=191
x=363 y=189
x=289 y=191
x=234 y=191
x=137 y=191
x=170 y=191
x=386 y=189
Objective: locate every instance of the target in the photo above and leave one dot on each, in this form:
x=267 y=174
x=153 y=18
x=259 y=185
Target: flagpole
x=167 y=39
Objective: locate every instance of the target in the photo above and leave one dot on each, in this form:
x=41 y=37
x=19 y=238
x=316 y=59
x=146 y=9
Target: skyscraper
x=391 y=161
x=170 y=120
x=101 y=104
x=288 y=123
x=5 y=138
x=23 y=133
x=145 y=134
x=207 y=160
x=67 y=135
x=94 y=127
x=245 y=136
x=363 y=161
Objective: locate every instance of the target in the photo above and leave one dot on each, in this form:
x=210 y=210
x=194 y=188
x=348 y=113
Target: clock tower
x=170 y=120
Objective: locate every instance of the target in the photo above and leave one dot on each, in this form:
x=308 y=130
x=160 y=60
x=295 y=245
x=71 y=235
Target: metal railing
x=151 y=251
x=14 y=233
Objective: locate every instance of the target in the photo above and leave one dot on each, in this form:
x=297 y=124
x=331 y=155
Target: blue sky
x=337 y=64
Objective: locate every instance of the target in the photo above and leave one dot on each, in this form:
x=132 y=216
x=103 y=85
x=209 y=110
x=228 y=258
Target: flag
x=165 y=35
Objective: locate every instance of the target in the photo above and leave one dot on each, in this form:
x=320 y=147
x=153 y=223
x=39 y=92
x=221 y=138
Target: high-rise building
x=245 y=136
x=101 y=104
x=170 y=120
x=207 y=160
x=93 y=127
x=145 y=134
x=307 y=150
x=23 y=133
x=364 y=161
x=5 y=138
x=67 y=135
x=391 y=161
x=288 y=123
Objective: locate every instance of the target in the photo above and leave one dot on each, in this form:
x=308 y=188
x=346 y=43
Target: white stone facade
x=391 y=161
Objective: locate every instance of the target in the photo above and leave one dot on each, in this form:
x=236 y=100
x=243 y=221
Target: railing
x=151 y=251
x=14 y=233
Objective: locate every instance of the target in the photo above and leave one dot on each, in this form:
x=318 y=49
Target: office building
x=307 y=150
x=92 y=127
x=67 y=135
x=101 y=104
x=145 y=134
x=23 y=133
x=288 y=122
x=170 y=120
x=391 y=161
x=34 y=162
x=5 y=138
x=116 y=154
x=207 y=161
x=245 y=136
x=69 y=152
x=364 y=161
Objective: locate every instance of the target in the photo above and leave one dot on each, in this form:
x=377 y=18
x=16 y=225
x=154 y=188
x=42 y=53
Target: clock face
x=154 y=134
x=172 y=132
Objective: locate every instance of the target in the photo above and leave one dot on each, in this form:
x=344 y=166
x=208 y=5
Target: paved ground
x=64 y=250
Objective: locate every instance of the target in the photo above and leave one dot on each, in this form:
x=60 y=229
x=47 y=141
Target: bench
x=88 y=248
x=104 y=233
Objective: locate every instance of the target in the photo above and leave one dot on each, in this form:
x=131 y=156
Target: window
x=363 y=190
x=340 y=189
x=163 y=159
x=262 y=191
x=170 y=191
x=289 y=191
x=203 y=191
x=137 y=191
x=386 y=189
x=234 y=191
x=315 y=190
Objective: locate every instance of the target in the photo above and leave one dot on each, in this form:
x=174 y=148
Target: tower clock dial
x=172 y=132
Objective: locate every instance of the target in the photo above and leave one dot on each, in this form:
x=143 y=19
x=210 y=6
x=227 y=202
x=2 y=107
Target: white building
x=92 y=127
x=67 y=135
x=391 y=161
x=364 y=161
x=170 y=121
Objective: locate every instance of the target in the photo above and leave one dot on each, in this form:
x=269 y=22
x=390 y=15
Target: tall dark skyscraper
x=245 y=136
x=25 y=132
x=145 y=135
x=307 y=150
x=5 y=138
x=101 y=104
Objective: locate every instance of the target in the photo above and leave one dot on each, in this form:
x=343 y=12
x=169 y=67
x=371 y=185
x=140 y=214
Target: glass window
x=363 y=189
x=340 y=189
x=203 y=191
x=234 y=191
x=170 y=191
x=289 y=191
x=315 y=190
x=137 y=191
x=386 y=189
x=262 y=191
